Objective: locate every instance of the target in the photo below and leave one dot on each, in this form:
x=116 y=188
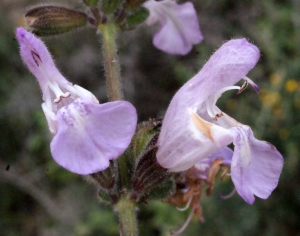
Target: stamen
x=186 y=206
x=58 y=99
x=229 y=195
x=243 y=87
x=58 y=92
x=218 y=116
x=186 y=223
x=254 y=86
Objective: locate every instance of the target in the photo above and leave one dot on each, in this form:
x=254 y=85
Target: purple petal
x=203 y=166
x=179 y=26
x=256 y=165
x=38 y=59
x=90 y=134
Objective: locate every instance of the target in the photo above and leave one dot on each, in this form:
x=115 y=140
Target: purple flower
x=87 y=134
x=179 y=26
x=194 y=127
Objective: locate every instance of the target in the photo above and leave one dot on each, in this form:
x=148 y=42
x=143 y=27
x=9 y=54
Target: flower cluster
x=195 y=132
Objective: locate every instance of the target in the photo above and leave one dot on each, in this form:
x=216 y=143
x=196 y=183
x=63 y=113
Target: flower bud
x=52 y=20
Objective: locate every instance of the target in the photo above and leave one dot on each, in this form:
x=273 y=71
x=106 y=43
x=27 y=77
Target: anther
x=218 y=115
x=243 y=87
x=65 y=95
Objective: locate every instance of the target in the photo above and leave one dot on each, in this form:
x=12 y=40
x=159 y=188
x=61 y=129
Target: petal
x=179 y=26
x=202 y=167
x=38 y=59
x=256 y=165
x=90 y=134
x=189 y=141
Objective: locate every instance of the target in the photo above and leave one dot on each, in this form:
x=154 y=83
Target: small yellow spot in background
x=284 y=134
x=275 y=79
x=291 y=85
x=270 y=99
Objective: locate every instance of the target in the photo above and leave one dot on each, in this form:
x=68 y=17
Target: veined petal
x=179 y=26
x=256 y=165
x=38 y=59
x=90 y=134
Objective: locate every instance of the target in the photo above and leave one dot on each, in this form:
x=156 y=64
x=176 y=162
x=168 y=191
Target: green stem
x=113 y=79
x=111 y=61
x=127 y=217
x=125 y=207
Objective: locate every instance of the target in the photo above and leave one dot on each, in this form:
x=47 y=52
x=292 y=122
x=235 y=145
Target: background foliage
x=40 y=198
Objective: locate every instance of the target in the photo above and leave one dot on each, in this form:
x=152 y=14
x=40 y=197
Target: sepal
x=148 y=176
x=163 y=191
x=108 y=184
x=109 y=6
x=136 y=17
x=142 y=139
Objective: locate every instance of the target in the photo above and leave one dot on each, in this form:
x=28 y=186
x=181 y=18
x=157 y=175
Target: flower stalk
x=125 y=208
x=111 y=61
x=127 y=217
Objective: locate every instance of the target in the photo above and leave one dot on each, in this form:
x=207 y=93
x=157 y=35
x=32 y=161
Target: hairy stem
x=125 y=208
x=127 y=217
x=111 y=61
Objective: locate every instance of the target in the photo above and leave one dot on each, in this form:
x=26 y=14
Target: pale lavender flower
x=179 y=29
x=87 y=134
x=194 y=127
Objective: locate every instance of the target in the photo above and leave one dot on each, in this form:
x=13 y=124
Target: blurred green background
x=37 y=197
